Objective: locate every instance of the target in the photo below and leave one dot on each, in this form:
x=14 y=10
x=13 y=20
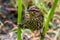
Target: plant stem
x=51 y=13
x=19 y=18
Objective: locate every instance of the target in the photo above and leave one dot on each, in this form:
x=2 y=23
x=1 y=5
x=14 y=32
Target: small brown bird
x=33 y=19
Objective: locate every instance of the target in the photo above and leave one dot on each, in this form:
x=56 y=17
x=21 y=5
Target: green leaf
x=19 y=19
x=51 y=13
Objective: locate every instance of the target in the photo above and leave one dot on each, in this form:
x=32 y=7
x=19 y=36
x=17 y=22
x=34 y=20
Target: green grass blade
x=51 y=13
x=19 y=18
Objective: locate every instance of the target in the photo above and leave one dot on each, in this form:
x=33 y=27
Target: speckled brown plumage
x=33 y=19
